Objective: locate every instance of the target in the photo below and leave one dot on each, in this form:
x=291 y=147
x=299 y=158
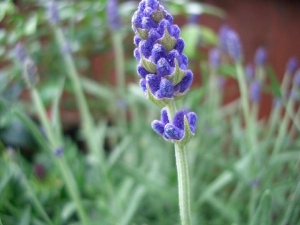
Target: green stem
x=182 y=173
x=54 y=144
x=183 y=184
x=120 y=72
x=86 y=118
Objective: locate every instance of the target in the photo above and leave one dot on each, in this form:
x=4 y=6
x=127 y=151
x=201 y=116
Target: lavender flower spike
x=112 y=15
x=53 y=12
x=260 y=56
x=230 y=43
x=180 y=130
x=214 y=58
x=20 y=52
x=255 y=91
x=292 y=65
x=162 y=65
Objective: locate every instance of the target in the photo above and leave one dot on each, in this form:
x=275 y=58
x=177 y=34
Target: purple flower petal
x=143 y=84
x=178 y=119
x=192 y=118
x=142 y=71
x=179 y=45
x=163 y=67
x=164 y=116
x=158 y=127
x=166 y=89
x=154 y=82
x=185 y=83
x=158 y=52
x=172 y=132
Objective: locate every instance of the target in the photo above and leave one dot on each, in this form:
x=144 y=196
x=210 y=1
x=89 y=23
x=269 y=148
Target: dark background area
x=272 y=24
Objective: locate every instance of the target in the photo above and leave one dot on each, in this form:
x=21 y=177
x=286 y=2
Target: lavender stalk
x=164 y=79
x=30 y=77
x=114 y=23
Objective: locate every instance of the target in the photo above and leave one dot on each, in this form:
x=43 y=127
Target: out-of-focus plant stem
x=86 y=117
x=55 y=144
x=117 y=38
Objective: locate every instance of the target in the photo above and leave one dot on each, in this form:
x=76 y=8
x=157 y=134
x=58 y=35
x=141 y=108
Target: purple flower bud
x=59 y=151
x=177 y=129
x=255 y=91
x=234 y=46
x=249 y=73
x=214 y=58
x=30 y=73
x=159 y=52
x=297 y=78
x=20 y=52
x=53 y=12
x=292 y=65
x=193 y=19
x=230 y=43
x=260 y=56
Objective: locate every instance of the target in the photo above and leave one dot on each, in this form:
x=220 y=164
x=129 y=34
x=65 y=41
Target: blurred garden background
x=76 y=144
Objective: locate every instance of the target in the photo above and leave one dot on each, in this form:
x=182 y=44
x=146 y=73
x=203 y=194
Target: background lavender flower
x=30 y=72
x=249 y=73
x=214 y=58
x=260 y=56
x=292 y=65
x=159 y=50
x=230 y=43
x=112 y=14
x=20 y=52
x=297 y=78
x=53 y=12
x=255 y=91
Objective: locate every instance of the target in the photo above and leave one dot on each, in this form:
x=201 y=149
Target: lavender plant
x=165 y=77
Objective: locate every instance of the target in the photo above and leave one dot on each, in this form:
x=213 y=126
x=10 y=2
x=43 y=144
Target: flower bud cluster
x=29 y=68
x=180 y=130
x=162 y=66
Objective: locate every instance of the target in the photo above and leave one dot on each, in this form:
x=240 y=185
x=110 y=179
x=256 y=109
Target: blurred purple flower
x=214 y=58
x=255 y=91
x=249 y=73
x=297 y=78
x=260 y=56
x=20 y=52
x=59 y=151
x=53 y=13
x=112 y=14
x=230 y=43
x=292 y=65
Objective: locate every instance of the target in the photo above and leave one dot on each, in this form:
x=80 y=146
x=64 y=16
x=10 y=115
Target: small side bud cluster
x=180 y=130
x=29 y=74
x=162 y=66
x=229 y=42
x=112 y=14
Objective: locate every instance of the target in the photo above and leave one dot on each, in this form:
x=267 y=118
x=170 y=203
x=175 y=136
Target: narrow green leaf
x=262 y=213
